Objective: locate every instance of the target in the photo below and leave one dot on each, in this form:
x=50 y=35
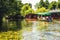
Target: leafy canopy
x=26 y=9
x=42 y=10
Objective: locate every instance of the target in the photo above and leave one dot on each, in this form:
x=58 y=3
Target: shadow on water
x=12 y=25
x=0 y=23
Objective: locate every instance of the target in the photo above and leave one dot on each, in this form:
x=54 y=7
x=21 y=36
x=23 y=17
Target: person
x=43 y=18
x=49 y=18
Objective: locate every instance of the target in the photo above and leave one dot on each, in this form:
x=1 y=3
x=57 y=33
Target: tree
x=9 y=7
x=3 y=10
x=41 y=3
x=59 y=4
x=42 y=10
x=46 y=4
x=19 y=6
x=15 y=7
x=28 y=4
x=26 y=9
x=53 y=5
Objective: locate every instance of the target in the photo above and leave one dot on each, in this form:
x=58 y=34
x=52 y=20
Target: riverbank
x=11 y=35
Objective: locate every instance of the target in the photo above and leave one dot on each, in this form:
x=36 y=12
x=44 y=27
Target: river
x=36 y=30
x=42 y=31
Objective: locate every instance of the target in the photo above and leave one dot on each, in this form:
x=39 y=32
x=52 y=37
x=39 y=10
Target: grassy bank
x=11 y=35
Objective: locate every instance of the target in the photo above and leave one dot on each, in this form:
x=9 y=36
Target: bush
x=42 y=10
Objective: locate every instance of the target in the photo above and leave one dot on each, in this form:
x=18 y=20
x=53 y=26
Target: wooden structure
x=31 y=17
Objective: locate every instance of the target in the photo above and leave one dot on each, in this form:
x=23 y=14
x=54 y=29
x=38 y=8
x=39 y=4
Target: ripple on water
x=42 y=35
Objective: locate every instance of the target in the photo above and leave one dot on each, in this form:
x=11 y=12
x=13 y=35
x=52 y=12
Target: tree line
x=47 y=5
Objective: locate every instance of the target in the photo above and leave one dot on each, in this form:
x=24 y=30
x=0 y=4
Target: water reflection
x=35 y=30
x=41 y=30
x=11 y=25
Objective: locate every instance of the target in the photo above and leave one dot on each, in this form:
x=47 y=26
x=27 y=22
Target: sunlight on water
x=39 y=32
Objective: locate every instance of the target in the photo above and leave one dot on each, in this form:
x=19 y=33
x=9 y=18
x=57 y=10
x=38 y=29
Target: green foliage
x=53 y=5
x=9 y=7
x=26 y=9
x=41 y=3
x=42 y=10
x=58 y=4
x=15 y=7
x=46 y=4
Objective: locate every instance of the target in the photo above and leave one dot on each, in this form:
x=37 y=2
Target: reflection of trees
x=18 y=20
x=42 y=25
x=18 y=23
x=12 y=22
x=0 y=22
x=14 y=25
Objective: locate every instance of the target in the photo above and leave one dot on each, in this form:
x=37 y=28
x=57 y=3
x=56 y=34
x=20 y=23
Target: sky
x=33 y=2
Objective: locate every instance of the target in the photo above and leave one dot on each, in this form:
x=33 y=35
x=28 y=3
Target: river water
x=42 y=31
x=38 y=30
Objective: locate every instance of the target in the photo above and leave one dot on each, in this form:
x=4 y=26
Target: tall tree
x=53 y=5
x=19 y=6
x=9 y=7
x=41 y=3
x=46 y=4
x=3 y=10
x=58 y=4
